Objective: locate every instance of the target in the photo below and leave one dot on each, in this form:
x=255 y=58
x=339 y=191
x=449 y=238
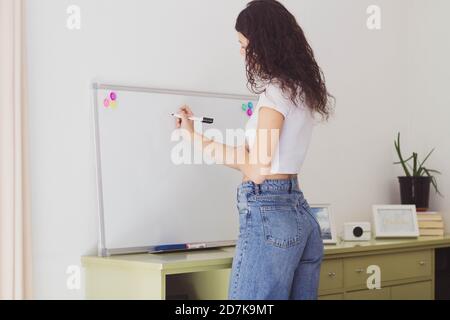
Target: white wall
x=192 y=45
x=428 y=101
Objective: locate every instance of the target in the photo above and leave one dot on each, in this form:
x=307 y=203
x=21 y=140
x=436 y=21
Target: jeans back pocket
x=281 y=225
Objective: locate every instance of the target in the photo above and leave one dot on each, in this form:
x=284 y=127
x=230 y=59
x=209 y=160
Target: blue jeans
x=279 y=250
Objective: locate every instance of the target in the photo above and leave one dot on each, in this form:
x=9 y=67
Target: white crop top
x=295 y=136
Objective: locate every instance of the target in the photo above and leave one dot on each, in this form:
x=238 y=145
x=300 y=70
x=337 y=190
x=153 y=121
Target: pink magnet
x=113 y=96
x=106 y=103
x=249 y=112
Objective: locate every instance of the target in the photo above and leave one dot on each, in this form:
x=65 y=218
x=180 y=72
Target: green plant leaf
x=433 y=181
x=415 y=164
x=426 y=158
x=419 y=172
x=399 y=153
x=435 y=171
x=404 y=160
x=409 y=166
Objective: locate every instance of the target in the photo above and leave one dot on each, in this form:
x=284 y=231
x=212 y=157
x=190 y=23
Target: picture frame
x=324 y=216
x=395 y=221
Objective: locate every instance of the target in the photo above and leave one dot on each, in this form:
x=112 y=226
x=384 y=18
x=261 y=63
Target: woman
x=279 y=249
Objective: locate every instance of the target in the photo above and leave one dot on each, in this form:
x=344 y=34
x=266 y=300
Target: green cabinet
x=413 y=291
x=377 y=294
x=406 y=270
x=338 y=296
x=331 y=276
x=404 y=276
x=397 y=266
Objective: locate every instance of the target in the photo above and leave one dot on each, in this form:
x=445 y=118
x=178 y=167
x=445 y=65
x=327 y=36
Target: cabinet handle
x=422 y=263
x=360 y=270
x=332 y=274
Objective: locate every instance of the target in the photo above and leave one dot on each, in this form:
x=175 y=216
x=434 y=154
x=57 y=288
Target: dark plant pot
x=415 y=190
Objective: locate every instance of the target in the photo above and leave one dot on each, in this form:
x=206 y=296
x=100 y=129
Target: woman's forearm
x=218 y=151
x=233 y=157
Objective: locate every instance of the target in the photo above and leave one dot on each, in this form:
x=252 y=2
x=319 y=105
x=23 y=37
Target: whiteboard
x=145 y=198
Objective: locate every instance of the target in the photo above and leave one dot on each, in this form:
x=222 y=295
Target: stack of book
x=430 y=223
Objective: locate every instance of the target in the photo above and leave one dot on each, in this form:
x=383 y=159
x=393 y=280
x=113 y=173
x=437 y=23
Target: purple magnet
x=113 y=96
x=249 y=112
x=106 y=103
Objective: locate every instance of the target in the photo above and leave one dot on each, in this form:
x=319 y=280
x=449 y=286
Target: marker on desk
x=196 y=245
x=170 y=247
x=182 y=246
x=201 y=119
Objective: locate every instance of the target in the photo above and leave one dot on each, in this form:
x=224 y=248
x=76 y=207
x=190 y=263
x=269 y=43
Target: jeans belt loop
x=257 y=189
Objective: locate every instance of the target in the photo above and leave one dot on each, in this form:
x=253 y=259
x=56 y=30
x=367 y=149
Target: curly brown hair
x=278 y=50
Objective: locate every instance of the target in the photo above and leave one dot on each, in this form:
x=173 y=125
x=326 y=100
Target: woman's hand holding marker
x=184 y=123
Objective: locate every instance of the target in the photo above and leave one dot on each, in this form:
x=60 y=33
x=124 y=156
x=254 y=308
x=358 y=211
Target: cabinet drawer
x=381 y=294
x=331 y=275
x=396 y=266
x=413 y=291
x=339 y=296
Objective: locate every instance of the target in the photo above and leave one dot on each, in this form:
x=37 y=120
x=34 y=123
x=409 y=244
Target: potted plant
x=415 y=185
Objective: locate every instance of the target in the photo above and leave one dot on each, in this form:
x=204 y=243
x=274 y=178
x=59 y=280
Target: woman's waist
x=273 y=177
x=272 y=184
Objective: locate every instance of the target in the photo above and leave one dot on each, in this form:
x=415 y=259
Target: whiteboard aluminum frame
x=103 y=250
